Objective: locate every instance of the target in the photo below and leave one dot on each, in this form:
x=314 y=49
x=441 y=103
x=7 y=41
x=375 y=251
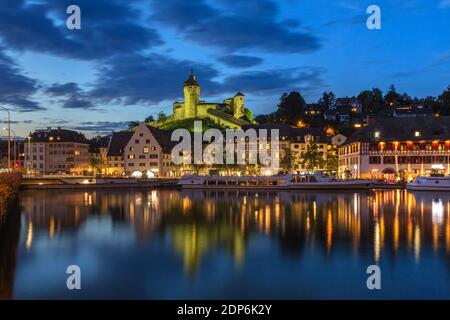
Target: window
x=146 y=150
x=417 y=134
x=136 y=141
x=147 y=141
x=374 y=160
x=131 y=156
x=153 y=156
x=377 y=134
x=131 y=149
x=389 y=160
x=141 y=156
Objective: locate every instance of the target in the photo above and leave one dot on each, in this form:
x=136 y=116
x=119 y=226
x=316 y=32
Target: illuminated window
x=146 y=149
x=50 y=138
x=417 y=134
x=377 y=134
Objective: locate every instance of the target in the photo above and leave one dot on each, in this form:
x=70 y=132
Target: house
x=148 y=152
x=57 y=151
x=387 y=147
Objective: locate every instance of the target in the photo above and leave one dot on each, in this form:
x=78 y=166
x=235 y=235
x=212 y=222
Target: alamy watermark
x=73 y=22
x=74 y=280
x=374 y=20
x=236 y=147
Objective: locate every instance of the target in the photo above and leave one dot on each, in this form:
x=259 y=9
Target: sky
x=130 y=58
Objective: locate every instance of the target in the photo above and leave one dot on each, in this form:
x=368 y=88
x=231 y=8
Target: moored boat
x=317 y=181
x=431 y=183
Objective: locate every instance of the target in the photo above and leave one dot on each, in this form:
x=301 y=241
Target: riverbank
x=9 y=186
x=82 y=183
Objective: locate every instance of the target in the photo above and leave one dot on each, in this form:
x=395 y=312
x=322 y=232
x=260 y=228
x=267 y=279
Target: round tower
x=191 y=96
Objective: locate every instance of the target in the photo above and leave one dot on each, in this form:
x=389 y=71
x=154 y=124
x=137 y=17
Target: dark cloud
x=240 y=61
x=16 y=89
x=147 y=79
x=274 y=81
x=78 y=103
x=101 y=127
x=236 y=25
x=108 y=27
x=66 y=89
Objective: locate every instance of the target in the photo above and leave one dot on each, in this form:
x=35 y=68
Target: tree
x=149 y=119
x=97 y=164
x=133 y=124
x=249 y=115
x=328 y=101
x=392 y=98
x=332 y=161
x=161 y=116
x=444 y=99
x=287 y=161
x=312 y=158
x=291 y=107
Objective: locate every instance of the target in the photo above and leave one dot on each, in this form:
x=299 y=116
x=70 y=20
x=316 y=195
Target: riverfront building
x=144 y=151
x=388 y=147
x=57 y=151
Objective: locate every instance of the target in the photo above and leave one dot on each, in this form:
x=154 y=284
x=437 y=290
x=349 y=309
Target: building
x=57 y=151
x=230 y=113
x=297 y=141
x=115 y=156
x=146 y=151
x=98 y=154
x=388 y=147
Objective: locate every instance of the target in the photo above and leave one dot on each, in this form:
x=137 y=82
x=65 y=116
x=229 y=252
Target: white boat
x=431 y=183
x=317 y=181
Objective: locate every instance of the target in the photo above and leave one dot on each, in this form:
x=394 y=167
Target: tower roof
x=191 y=81
x=239 y=94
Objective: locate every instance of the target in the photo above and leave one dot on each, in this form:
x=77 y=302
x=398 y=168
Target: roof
x=163 y=137
x=227 y=117
x=58 y=135
x=402 y=129
x=98 y=142
x=239 y=94
x=118 y=142
x=292 y=133
x=191 y=81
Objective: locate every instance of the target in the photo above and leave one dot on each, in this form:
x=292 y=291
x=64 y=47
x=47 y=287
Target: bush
x=9 y=186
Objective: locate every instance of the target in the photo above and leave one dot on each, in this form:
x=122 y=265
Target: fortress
x=230 y=113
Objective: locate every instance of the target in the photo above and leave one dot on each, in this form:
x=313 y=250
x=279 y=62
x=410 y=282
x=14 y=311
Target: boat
x=316 y=181
x=435 y=182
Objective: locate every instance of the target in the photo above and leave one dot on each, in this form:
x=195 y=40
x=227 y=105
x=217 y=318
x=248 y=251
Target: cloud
x=16 y=89
x=240 y=61
x=66 y=89
x=236 y=25
x=273 y=81
x=108 y=27
x=147 y=79
x=101 y=127
x=444 y=4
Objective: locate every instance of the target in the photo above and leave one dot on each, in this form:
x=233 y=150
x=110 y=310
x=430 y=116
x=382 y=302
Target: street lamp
x=15 y=146
x=9 y=137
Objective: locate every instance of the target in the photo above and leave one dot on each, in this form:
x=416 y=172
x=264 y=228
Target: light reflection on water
x=162 y=244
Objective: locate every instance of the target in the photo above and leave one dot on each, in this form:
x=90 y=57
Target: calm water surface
x=168 y=244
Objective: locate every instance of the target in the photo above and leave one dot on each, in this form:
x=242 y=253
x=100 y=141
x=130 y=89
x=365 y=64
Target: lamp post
x=15 y=145
x=9 y=137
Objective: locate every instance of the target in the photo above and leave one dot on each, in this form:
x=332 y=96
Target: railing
x=408 y=152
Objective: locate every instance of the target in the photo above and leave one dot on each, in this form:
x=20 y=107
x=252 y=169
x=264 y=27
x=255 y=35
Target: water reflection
x=193 y=225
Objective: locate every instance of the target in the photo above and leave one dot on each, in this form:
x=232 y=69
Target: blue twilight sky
x=130 y=58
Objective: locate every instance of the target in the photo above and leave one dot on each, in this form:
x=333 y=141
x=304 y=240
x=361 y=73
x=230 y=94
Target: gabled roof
x=163 y=137
x=191 y=81
x=118 y=142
